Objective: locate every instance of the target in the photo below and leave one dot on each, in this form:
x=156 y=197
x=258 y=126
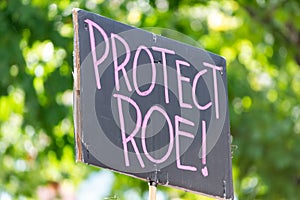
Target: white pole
x=152 y=190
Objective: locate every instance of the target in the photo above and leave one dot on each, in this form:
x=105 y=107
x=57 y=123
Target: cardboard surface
x=150 y=107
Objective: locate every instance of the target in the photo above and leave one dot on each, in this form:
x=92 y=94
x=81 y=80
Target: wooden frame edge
x=76 y=89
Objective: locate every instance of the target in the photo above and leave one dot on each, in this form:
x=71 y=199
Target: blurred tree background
x=260 y=40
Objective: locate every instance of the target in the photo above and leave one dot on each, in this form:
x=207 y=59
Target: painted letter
x=96 y=62
x=123 y=64
x=194 y=91
x=143 y=134
x=204 y=170
x=135 y=61
x=130 y=138
x=179 y=80
x=164 y=63
x=214 y=68
x=178 y=133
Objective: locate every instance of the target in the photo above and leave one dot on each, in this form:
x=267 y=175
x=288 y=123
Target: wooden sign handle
x=152 y=190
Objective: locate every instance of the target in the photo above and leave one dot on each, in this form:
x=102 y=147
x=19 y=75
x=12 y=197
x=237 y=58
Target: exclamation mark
x=204 y=169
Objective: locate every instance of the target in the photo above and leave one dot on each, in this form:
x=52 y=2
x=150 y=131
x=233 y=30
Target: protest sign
x=150 y=107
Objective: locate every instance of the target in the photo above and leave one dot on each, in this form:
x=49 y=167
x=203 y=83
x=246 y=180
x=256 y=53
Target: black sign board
x=150 y=107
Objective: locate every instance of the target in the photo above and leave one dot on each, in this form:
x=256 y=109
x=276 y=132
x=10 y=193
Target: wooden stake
x=152 y=190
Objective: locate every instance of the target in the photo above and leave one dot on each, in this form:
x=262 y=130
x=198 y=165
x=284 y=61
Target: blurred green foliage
x=260 y=40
